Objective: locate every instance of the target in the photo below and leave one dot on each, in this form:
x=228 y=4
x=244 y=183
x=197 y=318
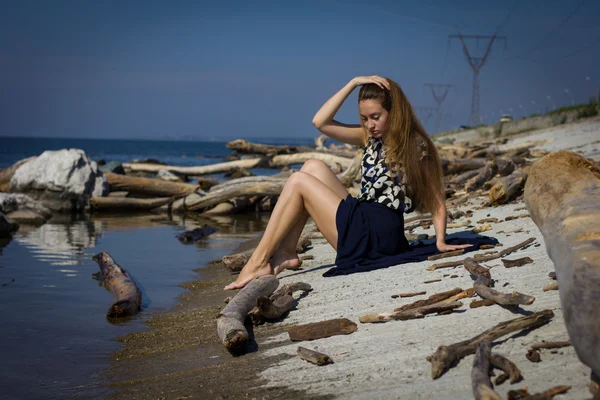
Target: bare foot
x=248 y=273
x=284 y=260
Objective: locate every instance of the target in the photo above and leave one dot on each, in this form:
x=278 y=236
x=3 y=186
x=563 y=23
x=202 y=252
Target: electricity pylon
x=425 y=113
x=439 y=99
x=476 y=63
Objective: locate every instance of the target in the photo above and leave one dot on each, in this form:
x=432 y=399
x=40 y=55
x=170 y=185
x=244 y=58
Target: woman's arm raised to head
x=323 y=119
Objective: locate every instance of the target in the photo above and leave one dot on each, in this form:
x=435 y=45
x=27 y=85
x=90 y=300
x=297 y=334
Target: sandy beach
x=180 y=356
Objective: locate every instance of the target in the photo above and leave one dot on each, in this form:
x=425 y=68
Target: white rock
x=63 y=175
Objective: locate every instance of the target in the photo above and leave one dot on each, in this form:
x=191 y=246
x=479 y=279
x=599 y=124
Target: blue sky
x=228 y=69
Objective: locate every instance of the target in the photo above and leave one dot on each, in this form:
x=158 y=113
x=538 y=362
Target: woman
x=391 y=135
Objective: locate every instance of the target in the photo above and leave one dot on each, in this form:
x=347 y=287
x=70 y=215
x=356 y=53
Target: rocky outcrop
x=23 y=209
x=62 y=180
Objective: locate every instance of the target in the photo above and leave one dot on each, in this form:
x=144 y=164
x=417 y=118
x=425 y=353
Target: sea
x=55 y=339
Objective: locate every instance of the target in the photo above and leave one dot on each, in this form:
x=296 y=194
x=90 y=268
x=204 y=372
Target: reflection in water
x=63 y=240
x=61 y=243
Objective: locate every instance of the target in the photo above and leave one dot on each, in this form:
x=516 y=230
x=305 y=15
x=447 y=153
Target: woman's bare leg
x=301 y=193
x=285 y=255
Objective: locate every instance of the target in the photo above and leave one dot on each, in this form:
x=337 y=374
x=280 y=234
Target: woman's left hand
x=443 y=247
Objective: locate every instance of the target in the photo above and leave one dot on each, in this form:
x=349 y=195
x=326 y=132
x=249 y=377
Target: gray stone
x=63 y=180
x=114 y=166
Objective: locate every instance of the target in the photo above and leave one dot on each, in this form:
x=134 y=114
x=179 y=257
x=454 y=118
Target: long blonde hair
x=408 y=147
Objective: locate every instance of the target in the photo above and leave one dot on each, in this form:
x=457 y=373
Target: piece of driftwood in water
x=323 y=329
x=562 y=194
x=552 y=286
x=509 y=368
x=313 y=356
x=485 y=174
x=508 y=187
x=523 y=394
x=117 y=280
x=196 y=234
x=480 y=373
x=446 y=254
x=244 y=147
x=148 y=186
x=483 y=283
x=481 y=303
x=517 y=262
x=230 y=322
x=127 y=203
x=276 y=305
x=445 y=356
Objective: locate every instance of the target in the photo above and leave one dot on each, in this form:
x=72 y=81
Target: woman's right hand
x=376 y=79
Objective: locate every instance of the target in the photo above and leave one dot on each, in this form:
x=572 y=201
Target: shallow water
x=54 y=337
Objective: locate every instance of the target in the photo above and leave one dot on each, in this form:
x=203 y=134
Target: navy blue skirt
x=371 y=236
x=367 y=231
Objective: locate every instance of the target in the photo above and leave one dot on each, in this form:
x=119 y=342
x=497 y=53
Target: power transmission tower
x=425 y=113
x=439 y=99
x=476 y=63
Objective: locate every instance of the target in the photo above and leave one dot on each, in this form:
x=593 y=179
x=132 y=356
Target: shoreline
x=179 y=354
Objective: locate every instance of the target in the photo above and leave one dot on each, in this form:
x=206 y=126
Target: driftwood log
x=117 y=280
x=562 y=194
x=276 y=305
x=445 y=356
x=480 y=373
x=508 y=188
x=322 y=329
x=483 y=283
x=481 y=257
x=313 y=356
x=485 y=174
x=509 y=368
x=523 y=394
x=434 y=304
x=127 y=203
x=272 y=162
x=148 y=186
x=244 y=147
x=230 y=322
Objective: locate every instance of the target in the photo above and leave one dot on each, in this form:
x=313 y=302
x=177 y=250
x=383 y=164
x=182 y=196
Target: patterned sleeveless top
x=379 y=183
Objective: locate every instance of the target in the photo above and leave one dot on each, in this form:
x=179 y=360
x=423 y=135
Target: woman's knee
x=313 y=166
x=298 y=179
